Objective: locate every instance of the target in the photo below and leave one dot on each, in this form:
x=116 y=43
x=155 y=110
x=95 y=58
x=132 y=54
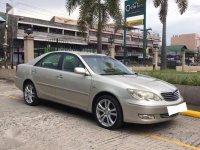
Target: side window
x=51 y=61
x=70 y=62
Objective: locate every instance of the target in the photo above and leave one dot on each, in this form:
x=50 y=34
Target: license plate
x=176 y=109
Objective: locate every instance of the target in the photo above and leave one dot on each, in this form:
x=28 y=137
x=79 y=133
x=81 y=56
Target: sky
x=177 y=24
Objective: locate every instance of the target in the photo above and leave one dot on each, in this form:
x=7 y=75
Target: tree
x=96 y=13
x=163 y=4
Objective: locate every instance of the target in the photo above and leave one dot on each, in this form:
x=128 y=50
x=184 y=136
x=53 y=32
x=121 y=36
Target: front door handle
x=34 y=71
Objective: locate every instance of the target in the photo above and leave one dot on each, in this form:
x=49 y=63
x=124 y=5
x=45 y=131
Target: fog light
x=145 y=116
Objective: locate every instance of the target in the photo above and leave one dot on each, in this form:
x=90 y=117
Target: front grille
x=171 y=96
x=167 y=115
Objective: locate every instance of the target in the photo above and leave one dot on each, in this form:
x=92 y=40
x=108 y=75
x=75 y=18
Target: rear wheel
x=30 y=94
x=108 y=112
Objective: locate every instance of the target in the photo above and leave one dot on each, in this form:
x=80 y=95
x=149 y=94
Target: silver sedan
x=100 y=85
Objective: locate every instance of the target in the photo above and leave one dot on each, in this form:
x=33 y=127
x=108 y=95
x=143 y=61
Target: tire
x=30 y=94
x=108 y=112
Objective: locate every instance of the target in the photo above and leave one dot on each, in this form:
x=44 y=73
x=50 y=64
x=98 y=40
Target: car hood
x=144 y=83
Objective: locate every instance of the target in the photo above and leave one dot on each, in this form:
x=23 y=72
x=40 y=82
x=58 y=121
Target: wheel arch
x=27 y=81
x=35 y=99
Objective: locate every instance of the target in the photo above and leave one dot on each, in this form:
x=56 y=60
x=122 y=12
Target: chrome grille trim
x=171 y=96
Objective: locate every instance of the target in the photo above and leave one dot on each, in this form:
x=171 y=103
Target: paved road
x=56 y=127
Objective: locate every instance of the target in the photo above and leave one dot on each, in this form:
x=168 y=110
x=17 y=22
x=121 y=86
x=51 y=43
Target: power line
x=3 y=7
x=34 y=11
x=33 y=6
x=2 y=3
x=38 y=8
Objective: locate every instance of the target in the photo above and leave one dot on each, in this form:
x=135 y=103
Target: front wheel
x=30 y=94
x=108 y=112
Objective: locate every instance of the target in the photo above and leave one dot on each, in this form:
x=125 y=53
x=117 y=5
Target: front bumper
x=132 y=113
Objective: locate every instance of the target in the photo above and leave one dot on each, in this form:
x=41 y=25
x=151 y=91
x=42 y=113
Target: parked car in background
x=194 y=64
x=100 y=85
x=1 y=59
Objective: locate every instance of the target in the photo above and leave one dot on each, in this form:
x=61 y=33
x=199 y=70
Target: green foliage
x=174 y=77
x=182 y=6
x=96 y=13
x=163 y=11
x=8 y=62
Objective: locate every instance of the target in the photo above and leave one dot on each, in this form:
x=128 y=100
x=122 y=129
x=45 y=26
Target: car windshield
x=104 y=65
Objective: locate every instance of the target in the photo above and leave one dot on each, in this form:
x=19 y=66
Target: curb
x=191 y=113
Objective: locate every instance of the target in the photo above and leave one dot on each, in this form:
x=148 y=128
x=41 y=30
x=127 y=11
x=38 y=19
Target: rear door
x=73 y=88
x=44 y=75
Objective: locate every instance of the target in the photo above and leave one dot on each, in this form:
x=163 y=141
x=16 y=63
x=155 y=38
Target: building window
x=39 y=29
x=135 y=39
x=128 y=38
x=23 y=26
x=106 y=35
x=70 y=33
x=92 y=33
x=80 y=34
x=55 y=31
x=119 y=37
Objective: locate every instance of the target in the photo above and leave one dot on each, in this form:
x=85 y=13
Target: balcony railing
x=118 y=41
x=128 y=54
x=42 y=36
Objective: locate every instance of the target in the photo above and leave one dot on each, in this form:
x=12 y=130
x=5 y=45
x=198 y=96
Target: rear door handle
x=59 y=76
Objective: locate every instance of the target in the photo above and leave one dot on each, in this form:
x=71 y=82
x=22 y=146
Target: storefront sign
x=135 y=22
x=133 y=8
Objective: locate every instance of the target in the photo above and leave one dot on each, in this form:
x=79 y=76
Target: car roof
x=79 y=53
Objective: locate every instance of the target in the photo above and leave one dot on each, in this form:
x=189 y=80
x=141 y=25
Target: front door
x=73 y=88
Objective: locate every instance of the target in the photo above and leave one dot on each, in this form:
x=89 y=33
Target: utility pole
x=144 y=36
x=198 y=55
x=5 y=45
x=57 y=44
x=2 y=21
x=125 y=50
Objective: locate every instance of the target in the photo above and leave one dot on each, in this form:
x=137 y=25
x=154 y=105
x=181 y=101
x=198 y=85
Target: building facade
x=192 y=41
x=63 y=34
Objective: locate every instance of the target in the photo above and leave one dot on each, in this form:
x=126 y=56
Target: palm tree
x=163 y=4
x=96 y=13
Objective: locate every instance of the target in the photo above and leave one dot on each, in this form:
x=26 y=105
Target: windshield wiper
x=127 y=73
x=123 y=73
x=105 y=74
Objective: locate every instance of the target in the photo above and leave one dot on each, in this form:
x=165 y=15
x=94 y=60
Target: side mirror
x=82 y=71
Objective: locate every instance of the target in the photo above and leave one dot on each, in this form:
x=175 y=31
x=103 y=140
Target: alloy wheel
x=29 y=94
x=106 y=113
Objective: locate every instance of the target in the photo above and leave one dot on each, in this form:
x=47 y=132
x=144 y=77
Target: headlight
x=144 y=95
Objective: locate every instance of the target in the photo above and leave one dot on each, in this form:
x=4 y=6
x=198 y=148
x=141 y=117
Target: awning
x=177 y=50
x=2 y=20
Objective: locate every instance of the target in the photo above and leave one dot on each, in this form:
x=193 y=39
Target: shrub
x=174 y=77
